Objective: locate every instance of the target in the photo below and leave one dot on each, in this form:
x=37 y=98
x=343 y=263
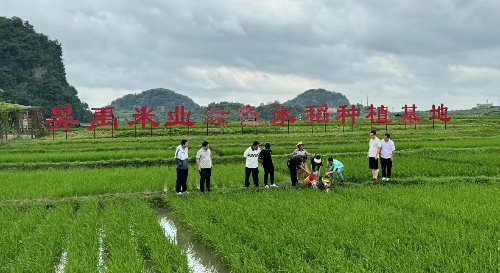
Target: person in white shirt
x=386 y=157
x=204 y=162
x=182 y=163
x=252 y=164
x=373 y=154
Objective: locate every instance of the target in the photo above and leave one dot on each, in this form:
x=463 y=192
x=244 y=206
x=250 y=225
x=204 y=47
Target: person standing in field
x=294 y=163
x=267 y=162
x=335 y=166
x=386 y=157
x=373 y=154
x=252 y=164
x=299 y=151
x=182 y=163
x=204 y=162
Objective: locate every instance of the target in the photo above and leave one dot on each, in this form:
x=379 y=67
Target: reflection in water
x=200 y=257
x=62 y=263
x=101 y=267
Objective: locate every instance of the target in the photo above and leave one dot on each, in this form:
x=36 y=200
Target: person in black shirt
x=316 y=163
x=267 y=162
x=299 y=161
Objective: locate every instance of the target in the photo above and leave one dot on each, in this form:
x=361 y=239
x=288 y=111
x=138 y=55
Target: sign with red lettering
x=103 y=117
x=179 y=118
x=441 y=113
x=382 y=114
x=282 y=115
x=61 y=116
x=410 y=115
x=318 y=113
x=143 y=117
x=248 y=112
x=215 y=115
x=353 y=113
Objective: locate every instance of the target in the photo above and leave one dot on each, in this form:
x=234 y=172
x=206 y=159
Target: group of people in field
x=297 y=164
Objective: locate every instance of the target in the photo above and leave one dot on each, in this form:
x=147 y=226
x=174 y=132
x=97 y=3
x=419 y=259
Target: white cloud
x=396 y=52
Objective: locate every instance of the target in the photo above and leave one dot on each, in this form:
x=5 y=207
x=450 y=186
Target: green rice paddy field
x=90 y=205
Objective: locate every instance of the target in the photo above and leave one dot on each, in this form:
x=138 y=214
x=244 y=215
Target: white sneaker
x=384 y=179
x=274 y=185
x=267 y=187
x=179 y=193
x=387 y=179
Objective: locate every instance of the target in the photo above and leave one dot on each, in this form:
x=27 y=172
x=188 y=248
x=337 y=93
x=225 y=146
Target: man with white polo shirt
x=386 y=156
x=252 y=164
x=204 y=162
x=373 y=154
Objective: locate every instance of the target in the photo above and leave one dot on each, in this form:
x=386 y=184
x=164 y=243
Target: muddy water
x=201 y=258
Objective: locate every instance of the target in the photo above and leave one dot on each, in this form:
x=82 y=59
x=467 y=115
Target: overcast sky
x=393 y=51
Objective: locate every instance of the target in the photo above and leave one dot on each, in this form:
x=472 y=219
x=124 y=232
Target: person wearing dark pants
x=252 y=164
x=181 y=182
x=204 y=162
x=205 y=174
x=255 y=176
x=297 y=161
x=182 y=163
x=267 y=163
x=386 y=157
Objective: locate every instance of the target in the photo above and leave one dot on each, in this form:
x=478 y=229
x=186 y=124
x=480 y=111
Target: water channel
x=201 y=259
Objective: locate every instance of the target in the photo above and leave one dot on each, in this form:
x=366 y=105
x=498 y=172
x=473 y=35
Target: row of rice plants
x=40 y=241
x=221 y=151
x=407 y=167
x=352 y=230
x=115 y=235
x=83 y=182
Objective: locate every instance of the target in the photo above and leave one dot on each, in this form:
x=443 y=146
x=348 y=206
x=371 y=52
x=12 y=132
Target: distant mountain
x=318 y=97
x=164 y=100
x=32 y=70
x=159 y=98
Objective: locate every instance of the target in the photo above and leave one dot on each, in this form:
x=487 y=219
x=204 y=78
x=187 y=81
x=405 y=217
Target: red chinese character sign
x=103 y=117
x=248 y=113
x=143 y=116
x=318 y=113
x=353 y=113
x=180 y=118
x=61 y=116
x=281 y=116
x=410 y=115
x=382 y=114
x=441 y=113
x=215 y=115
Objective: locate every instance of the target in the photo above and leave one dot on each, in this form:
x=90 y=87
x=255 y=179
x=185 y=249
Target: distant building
x=484 y=105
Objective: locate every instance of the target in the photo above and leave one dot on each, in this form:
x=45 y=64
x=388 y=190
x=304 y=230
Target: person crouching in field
x=252 y=164
x=299 y=151
x=294 y=163
x=204 y=162
x=335 y=166
x=182 y=163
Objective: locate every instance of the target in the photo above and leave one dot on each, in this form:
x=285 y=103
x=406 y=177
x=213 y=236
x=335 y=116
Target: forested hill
x=164 y=100
x=319 y=97
x=159 y=98
x=32 y=71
